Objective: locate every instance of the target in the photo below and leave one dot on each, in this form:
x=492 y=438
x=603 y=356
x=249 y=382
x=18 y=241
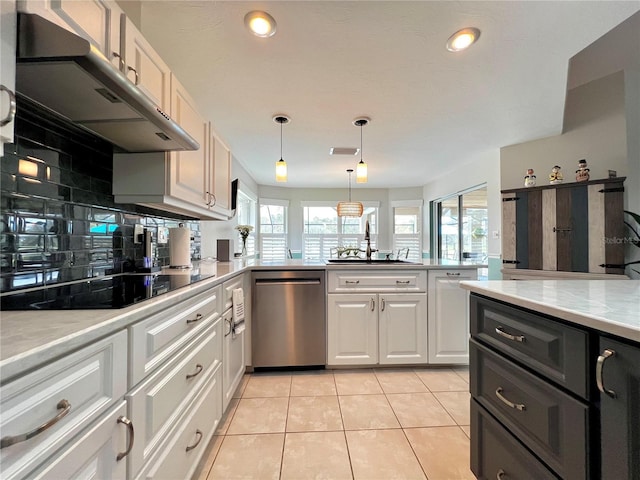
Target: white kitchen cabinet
x=144 y=67
x=376 y=328
x=156 y=404
x=7 y=71
x=98 y=21
x=100 y=452
x=448 y=326
x=352 y=329
x=69 y=394
x=233 y=343
x=220 y=177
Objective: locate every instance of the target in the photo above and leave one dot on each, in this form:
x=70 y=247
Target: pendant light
x=361 y=169
x=281 y=165
x=350 y=209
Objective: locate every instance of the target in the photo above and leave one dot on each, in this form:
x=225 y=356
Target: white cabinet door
x=7 y=70
x=189 y=170
x=144 y=67
x=449 y=316
x=403 y=328
x=352 y=329
x=95 y=453
x=220 y=177
x=232 y=358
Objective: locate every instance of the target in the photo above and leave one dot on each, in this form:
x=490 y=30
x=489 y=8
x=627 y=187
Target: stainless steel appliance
x=288 y=322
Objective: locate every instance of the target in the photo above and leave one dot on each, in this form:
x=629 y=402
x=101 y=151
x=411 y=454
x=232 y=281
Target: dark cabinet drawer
x=551 y=423
x=557 y=351
x=495 y=454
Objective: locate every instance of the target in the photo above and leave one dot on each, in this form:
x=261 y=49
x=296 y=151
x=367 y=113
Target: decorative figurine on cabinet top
x=555 y=176
x=530 y=178
x=582 y=174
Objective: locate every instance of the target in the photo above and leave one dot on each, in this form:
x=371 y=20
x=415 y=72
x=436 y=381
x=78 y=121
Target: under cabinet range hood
x=67 y=74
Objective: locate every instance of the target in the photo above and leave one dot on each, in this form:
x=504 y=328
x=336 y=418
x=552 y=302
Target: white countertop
x=29 y=338
x=611 y=306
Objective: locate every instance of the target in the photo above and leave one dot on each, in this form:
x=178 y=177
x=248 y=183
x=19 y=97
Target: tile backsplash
x=58 y=219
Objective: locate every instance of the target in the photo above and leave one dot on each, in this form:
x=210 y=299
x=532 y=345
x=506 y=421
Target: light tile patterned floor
x=345 y=424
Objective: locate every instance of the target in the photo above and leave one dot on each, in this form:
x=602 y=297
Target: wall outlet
x=163 y=235
x=138 y=230
x=495 y=234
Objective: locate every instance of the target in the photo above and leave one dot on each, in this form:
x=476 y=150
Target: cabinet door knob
x=199 y=369
x=191 y=447
x=600 y=374
x=515 y=338
x=517 y=406
x=129 y=424
x=11 y=114
x=63 y=405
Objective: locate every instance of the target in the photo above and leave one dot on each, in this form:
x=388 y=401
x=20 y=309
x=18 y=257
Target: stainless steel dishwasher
x=288 y=318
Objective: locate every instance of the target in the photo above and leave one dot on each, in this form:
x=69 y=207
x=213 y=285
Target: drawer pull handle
x=382 y=304
x=199 y=369
x=197 y=319
x=453 y=274
x=124 y=420
x=11 y=114
x=63 y=405
x=230 y=323
x=500 y=474
x=517 y=406
x=352 y=282
x=403 y=282
x=373 y=304
x=191 y=447
x=515 y=338
x=600 y=374
x=135 y=72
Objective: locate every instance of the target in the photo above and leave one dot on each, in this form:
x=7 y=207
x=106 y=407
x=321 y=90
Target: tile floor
x=345 y=424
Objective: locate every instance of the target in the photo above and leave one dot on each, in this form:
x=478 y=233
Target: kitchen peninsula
x=167 y=366
x=554 y=378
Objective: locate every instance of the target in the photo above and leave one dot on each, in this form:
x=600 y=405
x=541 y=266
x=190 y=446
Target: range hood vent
x=67 y=74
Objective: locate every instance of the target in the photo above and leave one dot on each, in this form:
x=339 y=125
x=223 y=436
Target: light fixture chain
x=281 y=140
x=361 y=141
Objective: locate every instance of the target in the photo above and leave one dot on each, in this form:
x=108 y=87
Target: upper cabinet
x=569 y=227
x=7 y=71
x=144 y=67
x=220 y=177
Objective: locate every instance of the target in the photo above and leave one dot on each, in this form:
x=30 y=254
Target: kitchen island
x=555 y=378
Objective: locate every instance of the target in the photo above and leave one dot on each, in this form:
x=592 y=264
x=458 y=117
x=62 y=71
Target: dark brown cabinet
x=618 y=378
x=572 y=227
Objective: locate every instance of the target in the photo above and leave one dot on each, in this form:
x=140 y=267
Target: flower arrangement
x=244 y=231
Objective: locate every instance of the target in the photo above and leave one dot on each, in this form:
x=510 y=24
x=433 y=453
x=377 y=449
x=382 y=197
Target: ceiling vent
x=344 y=151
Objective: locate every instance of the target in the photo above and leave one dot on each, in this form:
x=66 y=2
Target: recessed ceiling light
x=463 y=39
x=261 y=24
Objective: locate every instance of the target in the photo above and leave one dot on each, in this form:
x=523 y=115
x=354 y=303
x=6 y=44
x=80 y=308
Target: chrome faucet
x=367 y=237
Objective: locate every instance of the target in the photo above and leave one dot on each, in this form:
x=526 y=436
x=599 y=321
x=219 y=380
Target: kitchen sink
x=363 y=261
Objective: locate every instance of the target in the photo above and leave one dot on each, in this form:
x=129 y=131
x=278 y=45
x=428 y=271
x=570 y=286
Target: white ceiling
x=333 y=61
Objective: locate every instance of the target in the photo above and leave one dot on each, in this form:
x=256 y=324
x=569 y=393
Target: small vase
x=244 y=246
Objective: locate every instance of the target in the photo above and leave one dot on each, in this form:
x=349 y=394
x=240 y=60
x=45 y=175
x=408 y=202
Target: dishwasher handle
x=287 y=281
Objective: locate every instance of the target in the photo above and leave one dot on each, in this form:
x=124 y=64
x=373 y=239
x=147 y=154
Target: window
x=462 y=226
x=246 y=214
x=407 y=230
x=324 y=231
x=273 y=229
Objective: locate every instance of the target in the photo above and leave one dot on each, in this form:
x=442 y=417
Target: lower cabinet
x=233 y=364
x=100 y=452
x=365 y=329
x=618 y=379
x=449 y=316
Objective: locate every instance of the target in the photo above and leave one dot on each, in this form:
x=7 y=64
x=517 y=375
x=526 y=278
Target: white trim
x=244 y=188
x=407 y=203
x=334 y=203
x=274 y=201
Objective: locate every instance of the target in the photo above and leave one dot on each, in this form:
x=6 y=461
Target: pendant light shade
x=350 y=209
x=361 y=169
x=281 y=165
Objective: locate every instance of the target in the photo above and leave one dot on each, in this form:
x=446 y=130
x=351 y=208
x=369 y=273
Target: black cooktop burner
x=118 y=291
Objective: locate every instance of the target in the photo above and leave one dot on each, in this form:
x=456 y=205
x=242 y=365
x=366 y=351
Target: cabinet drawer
x=496 y=454
x=95 y=453
x=158 y=402
x=557 y=351
x=90 y=380
x=548 y=421
x=189 y=440
x=159 y=337
x=227 y=291
x=344 y=281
